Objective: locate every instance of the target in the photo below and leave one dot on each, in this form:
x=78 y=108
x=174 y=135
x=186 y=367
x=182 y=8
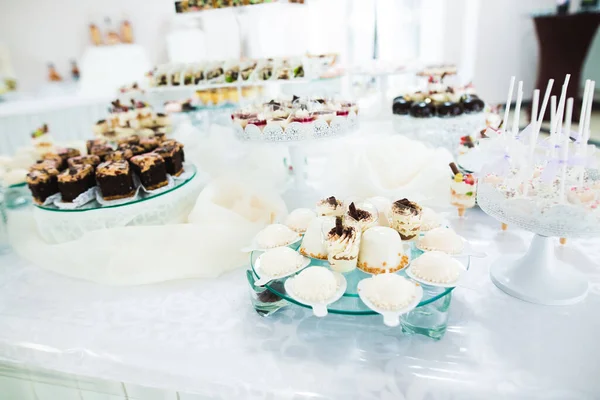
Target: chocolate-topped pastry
x=158 y=135
x=343 y=245
x=136 y=149
x=152 y=170
x=406 y=218
x=74 y=181
x=45 y=165
x=101 y=150
x=471 y=103
x=115 y=180
x=422 y=109
x=401 y=106
x=173 y=142
x=132 y=139
x=173 y=156
x=90 y=159
x=330 y=207
x=67 y=153
x=94 y=142
x=42 y=183
x=364 y=218
x=448 y=109
x=119 y=155
x=149 y=144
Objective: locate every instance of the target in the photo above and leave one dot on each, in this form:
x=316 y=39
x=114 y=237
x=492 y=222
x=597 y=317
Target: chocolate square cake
x=74 y=181
x=135 y=148
x=91 y=159
x=45 y=165
x=42 y=184
x=132 y=139
x=173 y=156
x=159 y=135
x=149 y=144
x=151 y=168
x=115 y=180
x=101 y=151
x=119 y=155
x=58 y=161
x=67 y=153
x=93 y=143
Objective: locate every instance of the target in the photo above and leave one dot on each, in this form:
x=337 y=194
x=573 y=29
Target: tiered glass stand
x=429 y=318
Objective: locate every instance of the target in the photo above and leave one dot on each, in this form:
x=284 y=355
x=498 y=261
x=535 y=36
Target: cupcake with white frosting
x=343 y=245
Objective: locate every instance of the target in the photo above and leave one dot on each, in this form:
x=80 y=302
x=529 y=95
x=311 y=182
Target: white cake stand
x=296 y=136
x=538 y=276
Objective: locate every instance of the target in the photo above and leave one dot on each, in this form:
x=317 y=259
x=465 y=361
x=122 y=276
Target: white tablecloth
x=205 y=337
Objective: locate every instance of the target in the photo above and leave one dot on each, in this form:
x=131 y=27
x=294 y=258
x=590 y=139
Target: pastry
x=406 y=218
x=580 y=195
x=436 y=267
x=101 y=127
x=87 y=159
x=115 y=180
x=441 y=239
x=330 y=207
x=58 y=161
x=389 y=292
x=343 y=245
x=242 y=117
x=133 y=139
x=275 y=235
x=42 y=184
x=448 y=109
x=149 y=144
x=45 y=165
x=162 y=119
x=231 y=75
x=280 y=261
x=381 y=251
x=463 y=189
x=365 y=216
x=173 y=156
x=299 y=219
x=136 y=149
x=74 y=181
x=401 y=106
x=303 y=116
x=472 y=103
x=65 y=154
x=422 y=109
x=314 y=284
x=94 y=142
x=151 y=169
x=313 y=244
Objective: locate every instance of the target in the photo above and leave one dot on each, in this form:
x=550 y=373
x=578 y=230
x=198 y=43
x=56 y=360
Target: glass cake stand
x=295 y=136
x=429 y=318
x=538 y=276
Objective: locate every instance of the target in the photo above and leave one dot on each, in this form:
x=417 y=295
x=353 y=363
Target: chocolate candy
x=422 y=109
x=471 y=103
x=401 y=106
x=448 y=109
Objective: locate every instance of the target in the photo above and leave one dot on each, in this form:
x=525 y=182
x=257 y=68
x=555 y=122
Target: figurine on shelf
x=126 y=32
x=112 y=37
x=95 y=35
x=75 y=74
x=53 y=75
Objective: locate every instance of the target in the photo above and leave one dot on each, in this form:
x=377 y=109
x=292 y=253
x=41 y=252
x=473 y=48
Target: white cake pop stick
x=508 y=101
x=532 y=139
x=565 y=148
x=515 y=125
x=583 y=113
x=540 y=117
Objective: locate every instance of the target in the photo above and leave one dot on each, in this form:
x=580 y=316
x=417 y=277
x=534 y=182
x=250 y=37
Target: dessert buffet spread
x=354 y=258
x=294 y=119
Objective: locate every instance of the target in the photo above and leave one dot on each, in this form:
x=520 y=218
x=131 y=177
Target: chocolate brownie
x=91 y=159
x=135 y=149
x=149 y=144
x=42 y=184
x=173 y=156
x=101 y=151
x=93 y=143
x=75 y=180
x=119 y=155
x=151 y=168
x=115 y=180
x=132 y=139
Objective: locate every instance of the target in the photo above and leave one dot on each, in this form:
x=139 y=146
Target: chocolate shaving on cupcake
x=407 y=206
x=454 y=168
x=357 y=213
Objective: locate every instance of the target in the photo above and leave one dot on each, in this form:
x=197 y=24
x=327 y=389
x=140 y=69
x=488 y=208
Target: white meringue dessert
x=389 y=292
x=275 y=235
x=429 y=219
x=280 y=261
x=436 y=267
x=314 y=244
x=441 y=239
x=299 y=219
x=314 y=284
x=381 y=251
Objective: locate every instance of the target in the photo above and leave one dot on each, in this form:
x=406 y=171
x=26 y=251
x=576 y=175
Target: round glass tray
x=190 y=169
x=350 y=303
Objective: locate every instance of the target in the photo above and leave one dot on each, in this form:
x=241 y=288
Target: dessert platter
x=550 y=187
x=352 y=258
x=439 y=115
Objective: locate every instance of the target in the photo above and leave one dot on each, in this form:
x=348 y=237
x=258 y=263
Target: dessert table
x=195 y=339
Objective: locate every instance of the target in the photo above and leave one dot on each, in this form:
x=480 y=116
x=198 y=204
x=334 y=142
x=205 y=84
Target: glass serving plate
x=350 y=303
x=143 y=196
